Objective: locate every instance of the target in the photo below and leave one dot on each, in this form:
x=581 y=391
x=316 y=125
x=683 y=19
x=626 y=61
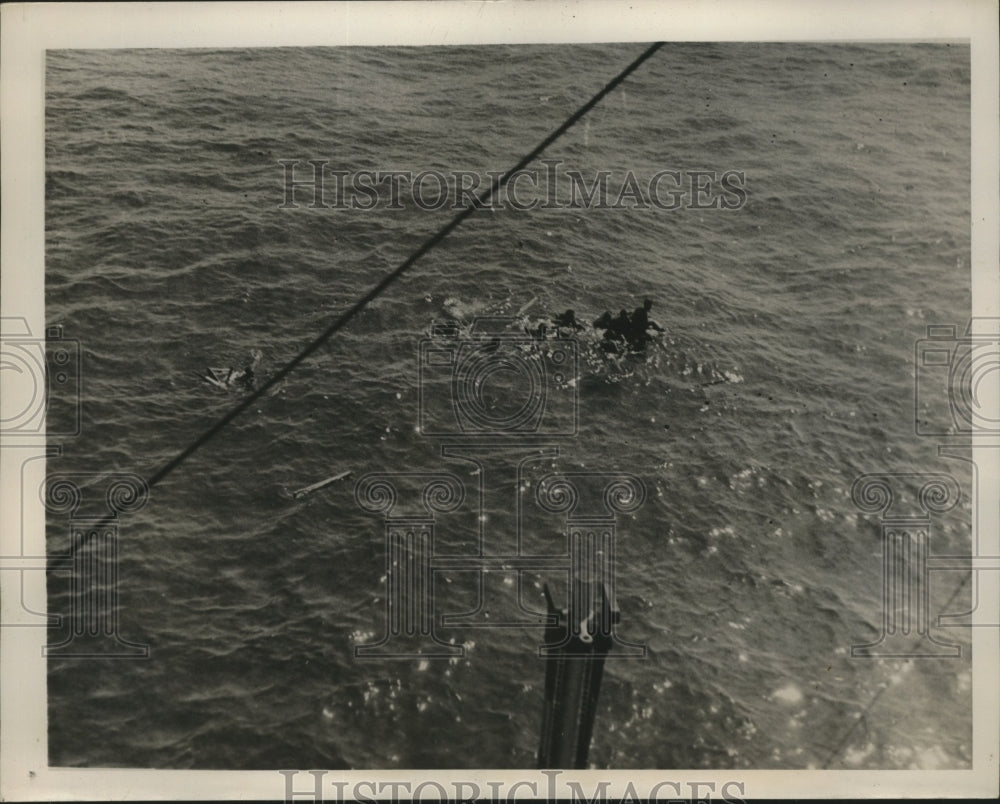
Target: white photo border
x=28 y=30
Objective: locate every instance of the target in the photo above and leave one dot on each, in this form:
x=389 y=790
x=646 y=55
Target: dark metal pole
x=576 y=642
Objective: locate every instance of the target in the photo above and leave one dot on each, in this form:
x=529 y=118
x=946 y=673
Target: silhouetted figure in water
x=246 y=377
x=627 y=330
x=621 y=327
x=612 y=331
x=604 y=321
x=638 y=334
x=616 y=330
x=568 y=320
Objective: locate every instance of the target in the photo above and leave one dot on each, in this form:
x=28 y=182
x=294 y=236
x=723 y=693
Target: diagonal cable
x=482 y=199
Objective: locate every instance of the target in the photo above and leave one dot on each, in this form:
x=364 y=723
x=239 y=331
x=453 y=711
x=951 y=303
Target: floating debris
x=302 y=492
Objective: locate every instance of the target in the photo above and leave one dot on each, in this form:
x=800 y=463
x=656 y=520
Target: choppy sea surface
x=786 y=371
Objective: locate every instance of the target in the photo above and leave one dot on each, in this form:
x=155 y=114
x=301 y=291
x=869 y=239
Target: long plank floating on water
x=302 y=492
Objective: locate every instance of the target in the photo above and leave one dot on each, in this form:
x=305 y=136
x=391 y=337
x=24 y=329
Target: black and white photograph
x=418 y=406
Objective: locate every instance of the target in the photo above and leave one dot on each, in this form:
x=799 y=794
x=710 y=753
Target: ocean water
x=786 y=371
